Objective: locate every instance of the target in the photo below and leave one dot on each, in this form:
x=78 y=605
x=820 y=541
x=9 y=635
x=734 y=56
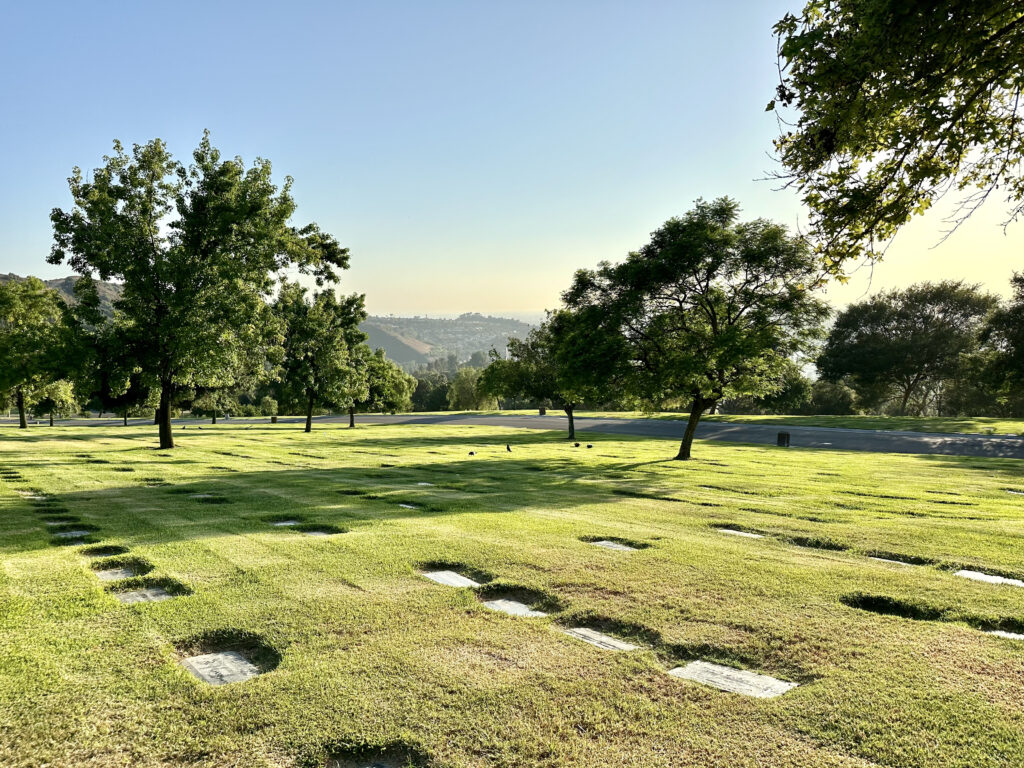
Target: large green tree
x=710 y=308
x=196 y=249
x=34 y=336
x=464 y=393
x=388 y=388
x=901 y=344
x=322 y=365
x=1004 y=335
x=898 y=102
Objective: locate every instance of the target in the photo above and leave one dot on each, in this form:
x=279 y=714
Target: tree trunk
x=126 y=417
x=166 y=436
x=903 y=402
x=51 y=417
x=156 y=416
x=713 y=409
x=22 y=420
x=214 y=420
x=309 y=415
x=351 y=418
x=696 y=410
x=572 y=421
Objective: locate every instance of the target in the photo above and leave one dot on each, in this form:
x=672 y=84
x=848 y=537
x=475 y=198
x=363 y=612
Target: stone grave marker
x=734 y=532
x=733 y=680
x=513 y=608
x=285 y=523
x=450 y=579
x=144 y=595
x=988 y=578
x=599 y=639
x=1007 y=635
x=407 y=506
x=617 y=546
x=221 y=667
x=114 y=574
x=887 y=560
x=71 y=534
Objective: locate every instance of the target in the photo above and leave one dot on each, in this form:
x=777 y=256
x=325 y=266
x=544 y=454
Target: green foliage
x=431 y=392
x=34 y=335
x=464 y=394
x=55 y=398
x=901 y=345
x=899 y=101
x=268 y=406
x=196 y=249
x=710 y=308
x=321 y=366
x=389 y=388
x=833 y=398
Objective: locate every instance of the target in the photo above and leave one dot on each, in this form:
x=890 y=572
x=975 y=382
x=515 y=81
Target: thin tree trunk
x=572 y=421
x=309 y=415
x=696 y=410
x=126 y=417
x=351 y=418
x=214 y=421
x=51 y=417
x=156 y=416
x=903 y=403
x=22 y=420
x=166 y=436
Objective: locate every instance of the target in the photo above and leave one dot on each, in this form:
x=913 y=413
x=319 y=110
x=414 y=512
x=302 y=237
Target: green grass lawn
x=360 y=652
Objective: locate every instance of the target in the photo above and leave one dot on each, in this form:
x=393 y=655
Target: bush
x=268 y=406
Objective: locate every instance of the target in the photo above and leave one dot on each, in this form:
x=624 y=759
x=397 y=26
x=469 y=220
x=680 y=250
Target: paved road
x=878 y=441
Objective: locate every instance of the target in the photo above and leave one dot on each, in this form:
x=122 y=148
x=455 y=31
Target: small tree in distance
x=389 y=388
x=710 y=308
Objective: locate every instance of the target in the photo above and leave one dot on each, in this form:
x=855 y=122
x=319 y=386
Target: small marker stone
x=618 y=547
x=989 y=578
x=450 y=579
x=513 y=608
x=733 y=680
x=606 y=642
x=71 y=534
x=407 y=506
x=221 y=668
x=285 y=523
x=424 y=483
x=1007 y=635
x=200 y=496
x=1015 y=493
x=747 y=534
x=887 y=560
x=144 y=595
x=114 y=574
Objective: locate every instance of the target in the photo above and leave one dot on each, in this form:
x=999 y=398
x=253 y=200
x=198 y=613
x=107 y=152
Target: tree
x=196 y=250
x=55 y=397
x=899 y=101
x=901 y=344
x=710 y=308
x=389 y=388
x=465 y=395
x=321 y=365
x=1004 y=334
x=431 y=393
x=536 y=370
x=33 y=333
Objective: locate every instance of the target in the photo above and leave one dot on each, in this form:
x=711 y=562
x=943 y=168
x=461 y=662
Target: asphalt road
x=877 y=441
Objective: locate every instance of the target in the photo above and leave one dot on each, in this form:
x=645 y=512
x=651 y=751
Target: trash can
x=273 y=419
x=783 y=440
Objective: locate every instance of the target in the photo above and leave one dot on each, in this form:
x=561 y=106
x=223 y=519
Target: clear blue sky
x=471 y=154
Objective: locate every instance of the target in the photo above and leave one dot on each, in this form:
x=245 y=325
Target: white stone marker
x=316 y=533
x=606 y=642
x=747 y=534
x=450 y=579
x=221 y=668
x=613 y=545
x=71 y=534
x=733 y=680
x=113 y=574
x=200 y=495
x=989 y=578
x=285 y=523
x=1007 y=635
x=513 y=608
x=425 y=484
x=144 y=595
x=1015 y=493
x=407 y=506
x=887 y=560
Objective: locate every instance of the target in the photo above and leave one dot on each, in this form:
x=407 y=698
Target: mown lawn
x=361 y=653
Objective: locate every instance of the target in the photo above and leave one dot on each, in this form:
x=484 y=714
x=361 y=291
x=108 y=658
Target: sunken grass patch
x=362 y=656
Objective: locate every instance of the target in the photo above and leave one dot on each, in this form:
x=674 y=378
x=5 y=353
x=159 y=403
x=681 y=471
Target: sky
x=472 y=155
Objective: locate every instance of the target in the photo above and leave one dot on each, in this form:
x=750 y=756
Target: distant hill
x=409 y=341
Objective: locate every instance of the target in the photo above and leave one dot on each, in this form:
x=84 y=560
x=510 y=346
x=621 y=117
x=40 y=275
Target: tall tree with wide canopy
x=896 y=344
x=710 y=308
x=388 y=388
x=34 y=334
x=1004 y=334
x=321 y=365
x=196 y=249
x=899 y=101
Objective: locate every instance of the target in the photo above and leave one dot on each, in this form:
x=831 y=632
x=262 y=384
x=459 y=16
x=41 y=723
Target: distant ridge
x=409 y=341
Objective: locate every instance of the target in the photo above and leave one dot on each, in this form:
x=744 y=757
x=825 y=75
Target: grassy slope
x=373 y=654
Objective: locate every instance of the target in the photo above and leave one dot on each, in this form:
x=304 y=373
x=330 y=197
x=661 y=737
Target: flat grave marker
x=733 y=680
x=615 y=545
x=144 y=595
x=887 y=560
x=71 y=534
x=599 y=639
x=408 y=506
x=450 y=579
x=1007 y=635
x=115 y=574
x=746 y=534
x=425 y=484
x=513 y=608
x=221 y=668
x=988 y=578
x=284 y=523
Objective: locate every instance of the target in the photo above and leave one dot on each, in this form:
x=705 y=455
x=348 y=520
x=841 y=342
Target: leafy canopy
x=899 y=101
x=34 y=329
